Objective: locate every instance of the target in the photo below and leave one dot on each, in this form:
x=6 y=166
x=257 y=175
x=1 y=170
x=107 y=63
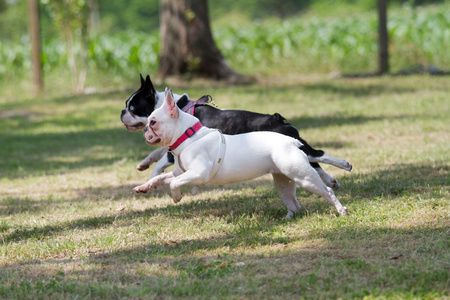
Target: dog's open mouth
x=135 y=127
x=151 y=143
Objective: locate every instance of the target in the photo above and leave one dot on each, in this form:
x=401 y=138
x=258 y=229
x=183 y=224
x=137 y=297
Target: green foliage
x=127 y=53
x=341 y=44
x=13 y=17
x=71 y=18
x=418 y=39
x=14 y=59
x=135 y=15
x=259 y=8
x=315 y=46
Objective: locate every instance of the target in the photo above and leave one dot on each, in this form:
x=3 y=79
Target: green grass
x=71 y=227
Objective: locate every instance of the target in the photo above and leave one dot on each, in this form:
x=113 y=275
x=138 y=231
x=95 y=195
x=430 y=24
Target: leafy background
x=256 y=37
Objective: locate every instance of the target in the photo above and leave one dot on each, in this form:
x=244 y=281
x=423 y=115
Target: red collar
x=187 y=134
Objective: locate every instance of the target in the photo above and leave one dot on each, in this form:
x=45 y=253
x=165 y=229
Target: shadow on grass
x=359 y=90
x=326 y=121
x=260 y=234
x=337 y=87
x=400 y=180
x=266 y=203
x=16 y=205
x=397 y=180
x=400 y=258
x=52 y=153
x=349 y=257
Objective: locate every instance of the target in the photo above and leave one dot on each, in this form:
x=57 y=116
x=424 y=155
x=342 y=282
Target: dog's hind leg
x=286 y=190
x=316 y=156
x=329 y=180
x=326 y=159
x=313 y=184
x=307 y=177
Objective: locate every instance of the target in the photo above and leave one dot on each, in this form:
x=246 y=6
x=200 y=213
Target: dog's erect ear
x=148 y=87
x=170 y=105
x=142 y=81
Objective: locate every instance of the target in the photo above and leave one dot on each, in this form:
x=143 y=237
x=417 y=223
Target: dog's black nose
x=123 y=112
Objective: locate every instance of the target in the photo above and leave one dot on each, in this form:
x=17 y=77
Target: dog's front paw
x=176 y=195
x=194 y=190
x=143 y=165
x=343 y=211
x=142 y=188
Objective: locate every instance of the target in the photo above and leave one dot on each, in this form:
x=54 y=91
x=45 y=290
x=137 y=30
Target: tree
x=33 y=9
x=72 y=19
x=383 y=54
x=187 y=45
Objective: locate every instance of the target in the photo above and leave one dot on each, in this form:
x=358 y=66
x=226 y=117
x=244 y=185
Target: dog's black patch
x=170 y=157
x=142 y=103
x=242 y=121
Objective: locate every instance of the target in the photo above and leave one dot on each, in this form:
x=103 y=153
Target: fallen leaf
x=121 y=207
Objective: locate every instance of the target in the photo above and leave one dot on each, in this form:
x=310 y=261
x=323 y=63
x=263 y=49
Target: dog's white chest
x=218 y=145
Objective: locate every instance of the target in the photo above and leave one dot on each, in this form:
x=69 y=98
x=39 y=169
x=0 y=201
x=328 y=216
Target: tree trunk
x=187 y=45
x=383 y=53
x=33 y=7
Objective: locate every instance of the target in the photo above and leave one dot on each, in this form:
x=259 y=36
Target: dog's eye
x=131 y=107
x=152 y=122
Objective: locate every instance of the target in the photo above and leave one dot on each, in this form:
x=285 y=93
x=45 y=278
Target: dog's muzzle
x=127 y=121
x=150 y=137
x=134 y=127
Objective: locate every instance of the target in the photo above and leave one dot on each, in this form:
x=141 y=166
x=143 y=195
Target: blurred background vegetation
x=257 y=37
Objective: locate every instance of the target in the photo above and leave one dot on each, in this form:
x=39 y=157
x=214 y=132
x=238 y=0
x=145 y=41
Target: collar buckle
x=189 y=132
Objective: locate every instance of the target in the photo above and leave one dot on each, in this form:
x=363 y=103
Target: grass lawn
x=72 y=228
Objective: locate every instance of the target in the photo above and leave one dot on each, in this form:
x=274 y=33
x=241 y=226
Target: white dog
x=205 y=155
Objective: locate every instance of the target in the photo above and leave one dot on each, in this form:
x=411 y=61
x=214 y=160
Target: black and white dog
x=145 y=100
